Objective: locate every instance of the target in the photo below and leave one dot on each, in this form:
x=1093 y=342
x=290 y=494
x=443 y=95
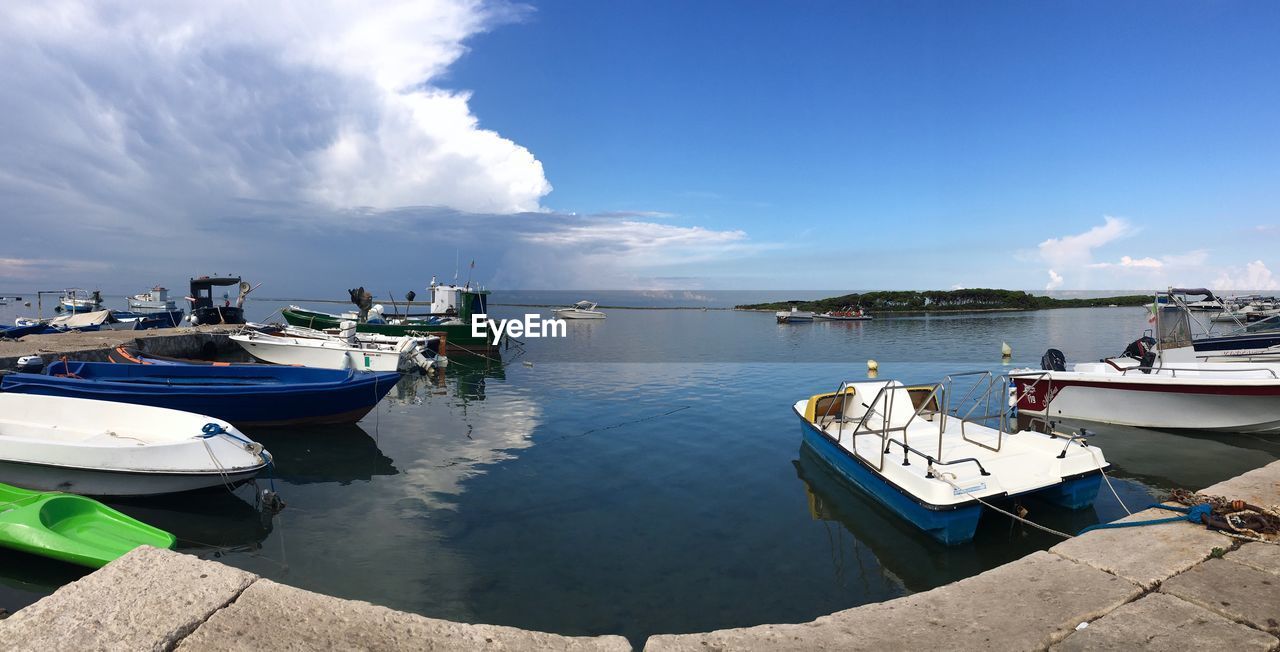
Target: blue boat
x=939 y=466
x=244 y=395
x=14 y=332
x=149 y=320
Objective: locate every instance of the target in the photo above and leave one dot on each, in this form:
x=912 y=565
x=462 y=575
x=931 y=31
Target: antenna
x=455 y=266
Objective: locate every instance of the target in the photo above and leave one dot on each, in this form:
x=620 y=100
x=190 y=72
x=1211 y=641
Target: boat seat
x=857 y=399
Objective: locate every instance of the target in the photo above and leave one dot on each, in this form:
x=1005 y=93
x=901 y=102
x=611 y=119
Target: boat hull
x=244 y=396
x=315 y=356
x=457 y=336
x=96 y=482
x=217 y=315
x=1190 y=406
x=950 y=525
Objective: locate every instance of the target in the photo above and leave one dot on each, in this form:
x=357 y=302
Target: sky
x=316 y=146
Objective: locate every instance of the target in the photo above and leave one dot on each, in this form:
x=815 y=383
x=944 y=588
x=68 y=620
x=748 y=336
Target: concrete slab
x=1239 y=592
x=1262 y=556
x=278 y=617
x=1259 y=486
x=1028 y=604
x=1146 y=555
x=147 y=600
x=1162 y=623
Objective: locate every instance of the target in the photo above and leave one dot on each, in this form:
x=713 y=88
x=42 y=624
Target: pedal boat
x=71 y=528
x=931 y=463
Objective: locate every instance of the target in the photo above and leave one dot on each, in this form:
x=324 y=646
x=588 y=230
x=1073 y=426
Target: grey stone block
x=146 y=600
x=1148 y=554
x=1259 y=486
x=1162 y=623
x=1028 y=604
x=1236 y=591
x=1262 y=556
x=278 y=617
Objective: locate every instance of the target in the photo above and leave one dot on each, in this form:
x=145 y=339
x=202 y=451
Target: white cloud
x=1055 y=281
x=163 y=109
x=1077 y=250
x=1254 y=276
x=1130 y=262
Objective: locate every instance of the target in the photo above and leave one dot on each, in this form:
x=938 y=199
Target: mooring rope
x=941 y=475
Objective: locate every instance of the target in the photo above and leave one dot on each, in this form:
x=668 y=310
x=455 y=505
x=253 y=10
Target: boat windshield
x=1267 y=325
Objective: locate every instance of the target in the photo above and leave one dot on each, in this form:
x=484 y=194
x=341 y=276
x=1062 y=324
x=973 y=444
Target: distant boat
x=148 y=320
x=579 y=310
x=844 y=314
x=77 y=300
x=111 y=448
x=245 y=395
x=157 y=300
x=793 y=316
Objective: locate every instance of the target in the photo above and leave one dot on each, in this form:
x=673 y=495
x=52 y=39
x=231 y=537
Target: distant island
x=947 y=301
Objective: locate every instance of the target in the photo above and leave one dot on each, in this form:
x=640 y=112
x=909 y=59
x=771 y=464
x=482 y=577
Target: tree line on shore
x=947 y=300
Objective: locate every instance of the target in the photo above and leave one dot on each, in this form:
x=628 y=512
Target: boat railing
x=988 y=392
x=880 y=411
x=1173 y=371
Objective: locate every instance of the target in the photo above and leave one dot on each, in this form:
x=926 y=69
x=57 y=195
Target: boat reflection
x=214 y=519
x=870 y=537
x=1166 y=460
x=338 y=453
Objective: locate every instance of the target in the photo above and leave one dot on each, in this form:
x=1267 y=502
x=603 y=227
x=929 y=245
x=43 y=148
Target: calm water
x=644 y=475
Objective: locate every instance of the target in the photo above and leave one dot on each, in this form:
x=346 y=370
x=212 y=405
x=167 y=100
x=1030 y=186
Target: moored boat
x=245 y=395
x=333 y=352
x=156 y=300
x=111 y=448
x=456 y=331
x=793 y=316
x=206 y=309
x=1148 y=393
x=71 y=528
x=77 y=300
x=937 y=465
x=579 y=310
x=847 y=313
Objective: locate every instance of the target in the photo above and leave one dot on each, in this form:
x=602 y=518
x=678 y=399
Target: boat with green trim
x=452 y=309
x=71 y=528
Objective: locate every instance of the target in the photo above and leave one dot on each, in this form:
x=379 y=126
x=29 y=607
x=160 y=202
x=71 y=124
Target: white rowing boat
x=105 y=448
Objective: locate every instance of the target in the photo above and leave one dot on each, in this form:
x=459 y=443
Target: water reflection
x=202 y=521
x=340 y=453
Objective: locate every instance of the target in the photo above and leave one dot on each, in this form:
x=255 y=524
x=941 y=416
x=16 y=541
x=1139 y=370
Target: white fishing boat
x=1200 y=396
x=934 y=460
x=345 y=351
x=579 y=310
x=105 y=448
x=793 y=316
x=157 y=300
x=77 y=300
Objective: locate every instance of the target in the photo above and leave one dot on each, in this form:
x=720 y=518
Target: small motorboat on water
x=111 y=448
x=148 y=320
x=292 y=346
x=793 y=316
x=1140 y=389
x=939 y=465
x=579 y=310
x=847 y=313
x=245 y=395
x=71 y=528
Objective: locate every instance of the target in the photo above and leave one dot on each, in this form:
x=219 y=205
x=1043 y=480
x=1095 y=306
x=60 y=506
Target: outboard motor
x=1148 y=361
x=1053 y=360
x=31 y=364
x=1139 y=348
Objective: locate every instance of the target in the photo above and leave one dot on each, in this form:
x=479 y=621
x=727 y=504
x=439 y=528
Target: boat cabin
x=458 y=301
x=202 y=289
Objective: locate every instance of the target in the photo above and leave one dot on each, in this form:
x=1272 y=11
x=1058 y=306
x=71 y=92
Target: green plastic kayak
x=71 y=528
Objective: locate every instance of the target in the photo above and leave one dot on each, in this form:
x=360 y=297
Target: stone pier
x=1174 y=586
x=93 y=346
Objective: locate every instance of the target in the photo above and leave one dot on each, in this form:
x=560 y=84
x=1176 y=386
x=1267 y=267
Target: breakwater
x=93 y=346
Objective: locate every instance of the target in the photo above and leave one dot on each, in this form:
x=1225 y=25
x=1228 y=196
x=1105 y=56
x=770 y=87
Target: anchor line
x=942 y=475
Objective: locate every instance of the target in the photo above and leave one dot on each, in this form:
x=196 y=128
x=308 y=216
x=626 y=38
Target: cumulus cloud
x=167 y=109
x=1131 y=262
x=1254 y=276
x=1055 y=281
x=1076 y=250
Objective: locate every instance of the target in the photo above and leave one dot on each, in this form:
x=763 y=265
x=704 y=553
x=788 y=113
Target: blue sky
x=721 y=145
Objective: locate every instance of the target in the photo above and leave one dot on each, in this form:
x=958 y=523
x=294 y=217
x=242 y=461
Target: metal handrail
x=1175 y=370
x=990 y=382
